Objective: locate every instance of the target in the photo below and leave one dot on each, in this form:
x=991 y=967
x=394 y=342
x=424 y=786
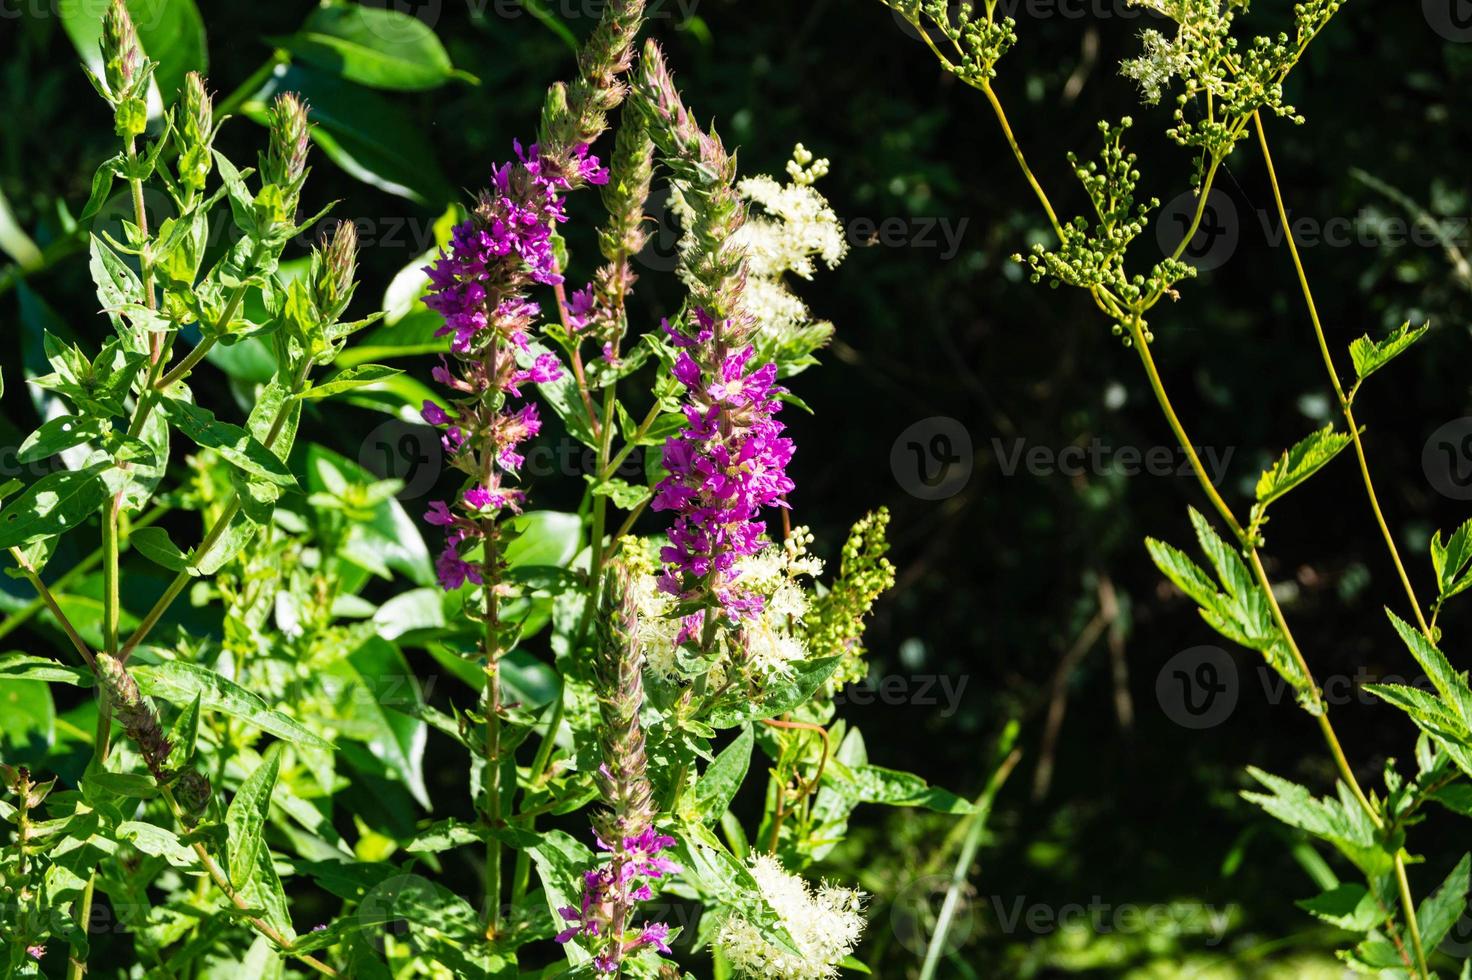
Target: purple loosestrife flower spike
x=626 y=828
x=714 y=265
x=479 y=284
x=725 y=467
x=576 y=115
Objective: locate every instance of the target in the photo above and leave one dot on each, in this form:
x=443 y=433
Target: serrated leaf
x=1450 y=561
x=158 y=842
x=1370 y=355
x=1440 y=910
x=782 y=694
x=1349 y=906
x=1296 y=465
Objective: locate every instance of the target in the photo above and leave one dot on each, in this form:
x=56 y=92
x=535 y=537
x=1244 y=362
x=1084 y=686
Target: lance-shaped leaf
x=58 y=434
x=380 y=48
x=55 y=503
x=181 y=683
x=362 y=376
x=1370 y=355
x=720 y=781
x=245 y=820
x=233 y=444
x=1296 y=465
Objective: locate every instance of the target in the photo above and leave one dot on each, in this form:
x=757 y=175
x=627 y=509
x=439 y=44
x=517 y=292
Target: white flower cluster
x=1161 y=61
x=825 y=924
x=790 y=227
x=774 y=638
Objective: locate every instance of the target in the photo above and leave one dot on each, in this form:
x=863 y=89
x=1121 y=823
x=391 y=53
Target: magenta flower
x=479 y=286
x=725 y=467
x=610 y=891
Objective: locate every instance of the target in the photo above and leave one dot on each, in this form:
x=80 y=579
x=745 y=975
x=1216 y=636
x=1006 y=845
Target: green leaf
x=245 y=820
x=1296 y=465
x=374 y=46
x=1370 y=356
x=158 y=842
x=543 y=538
x=1339 y=821
x=58 y=434
x=1347 y=906
x=1440 y=910
x=782 y=694
x=1449 y=683
x=389 y=538
x=370 y=138
x=55 y=503
x=1450 y=560
x=378 y=695
x=875 y=784
x=233 y=444
x=27 y=718
x=625 y=495
x=24 y=666
x=154 y=544
x=720 y=781
x=1186 y=574
x=180 y=683
x=363 y=376
x=171 y=31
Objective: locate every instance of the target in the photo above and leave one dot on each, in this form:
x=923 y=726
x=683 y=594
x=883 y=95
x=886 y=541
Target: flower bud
x=132 y=712
x=193 y=791
x=334 y=264
x=196 y=132
x=285 y=163
x=122 y=56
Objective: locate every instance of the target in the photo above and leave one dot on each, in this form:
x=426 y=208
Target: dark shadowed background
x=1014 y=440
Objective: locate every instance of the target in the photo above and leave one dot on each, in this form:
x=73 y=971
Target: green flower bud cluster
x=835 y=624
x=125 y=71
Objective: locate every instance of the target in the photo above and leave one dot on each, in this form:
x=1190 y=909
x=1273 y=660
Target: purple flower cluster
x=479 y=286
x=611 y=890
x=726 y=465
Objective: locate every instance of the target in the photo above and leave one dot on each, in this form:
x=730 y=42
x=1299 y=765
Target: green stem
x=50 y=602
x=962 y=869
x=221 y=525
x=1346 y=403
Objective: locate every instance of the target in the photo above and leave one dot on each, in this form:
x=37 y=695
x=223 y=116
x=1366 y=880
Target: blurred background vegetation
x=1026 y=593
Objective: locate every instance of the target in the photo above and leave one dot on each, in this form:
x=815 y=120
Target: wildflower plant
x=249 y=777
x=1226 y=81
